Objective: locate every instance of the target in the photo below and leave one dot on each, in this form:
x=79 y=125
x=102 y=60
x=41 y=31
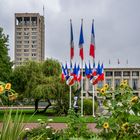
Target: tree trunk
x=36 y=105
x=49 y=104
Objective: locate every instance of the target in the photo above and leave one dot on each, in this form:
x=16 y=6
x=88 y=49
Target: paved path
x=58 y=126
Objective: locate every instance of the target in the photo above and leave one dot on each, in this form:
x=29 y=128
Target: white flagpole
x=70 y=86
x=82 y=72
x=93 y=100
x=70 y=64
x=82 y=89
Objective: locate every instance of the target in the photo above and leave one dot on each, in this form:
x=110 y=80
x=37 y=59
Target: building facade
x=113 y=77
x=29 y=37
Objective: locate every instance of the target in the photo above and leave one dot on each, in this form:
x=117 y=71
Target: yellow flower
x=134 y=99
x=106 y=125
x=125 y=126
x=125 y=82
x=106 y=86
x=8 y=86
x=1 y=89
x=102 y=91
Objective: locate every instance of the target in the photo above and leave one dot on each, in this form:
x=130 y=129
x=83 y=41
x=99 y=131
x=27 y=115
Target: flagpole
x=82 y=89
x=70 y=85
x=71 y=38
x=82 y=74
x=93 y=101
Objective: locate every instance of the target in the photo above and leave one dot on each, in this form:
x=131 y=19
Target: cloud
x=117 y=27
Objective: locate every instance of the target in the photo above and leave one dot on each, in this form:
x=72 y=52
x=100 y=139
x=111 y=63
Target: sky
x=116 y=25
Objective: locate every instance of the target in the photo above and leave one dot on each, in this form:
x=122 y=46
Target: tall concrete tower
x=29 y=38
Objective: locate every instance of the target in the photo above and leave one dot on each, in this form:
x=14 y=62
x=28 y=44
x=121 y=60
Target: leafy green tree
x=41 y=81
x=5 y=64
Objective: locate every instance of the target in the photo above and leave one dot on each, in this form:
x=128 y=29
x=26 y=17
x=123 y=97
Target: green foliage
x=51 y=67
x=41 y=81
x=12 y=129
x=121 y=103
x=42 y=132
x=76 y=127
x=5 y=64
x=88 y=104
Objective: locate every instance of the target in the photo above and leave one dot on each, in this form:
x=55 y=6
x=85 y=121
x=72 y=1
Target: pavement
x=58 y=126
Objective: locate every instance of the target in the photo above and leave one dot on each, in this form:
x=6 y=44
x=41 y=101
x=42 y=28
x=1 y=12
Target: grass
x=29 y=116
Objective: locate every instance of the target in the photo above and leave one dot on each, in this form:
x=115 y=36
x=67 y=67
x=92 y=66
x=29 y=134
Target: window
x=34 y=41
x=33 y=54
x=109 y=73
x=18 y=37
x=34 y=46
x=26 y=33
x=26 y=29
x=117 y=82
x=117 y=73
x=26 y=50
x=100 y=84
x=18 y=46
x=18 y=29
x=19 y=33
x=33 y=50
x=34 y=33
x=26 y=20
x=134 y=84
x=26 y=42
x=109 y=82
x=33 y=29
x=18 y=54
x=135 y=73
x=126 y=73
x=26 y=37
x=26 y=59
x=34 y=37
x=18 y=50
x=26 y=54
x=19 y=42
x=26 y=46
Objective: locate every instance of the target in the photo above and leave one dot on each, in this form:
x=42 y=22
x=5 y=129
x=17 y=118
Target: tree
x=5 y=64
x=40 y=81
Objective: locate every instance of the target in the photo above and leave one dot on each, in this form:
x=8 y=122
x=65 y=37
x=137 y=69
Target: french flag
x=92 y=45
x=87 y=73
x=71 y=41
x=78 y=74
x=63 y=74
x=81 y=42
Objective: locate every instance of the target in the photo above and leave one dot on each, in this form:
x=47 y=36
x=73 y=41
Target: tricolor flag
x=78 y=74
x=81 y=42
x=87 y=73
x=92 y=45
x=71 y=41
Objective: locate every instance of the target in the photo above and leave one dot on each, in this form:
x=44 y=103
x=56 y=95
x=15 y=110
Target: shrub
x=120 y=124
x=88 y=104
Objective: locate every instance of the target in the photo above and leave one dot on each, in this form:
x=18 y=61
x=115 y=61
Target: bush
x=76 y=127
x=88 y=104
x=122 y=106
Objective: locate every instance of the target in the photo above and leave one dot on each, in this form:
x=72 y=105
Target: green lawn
x=29 y=116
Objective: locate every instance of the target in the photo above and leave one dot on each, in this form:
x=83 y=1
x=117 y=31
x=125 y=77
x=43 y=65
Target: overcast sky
x=117 y=28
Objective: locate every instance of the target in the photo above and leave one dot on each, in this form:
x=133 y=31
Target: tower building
x=29 y=37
